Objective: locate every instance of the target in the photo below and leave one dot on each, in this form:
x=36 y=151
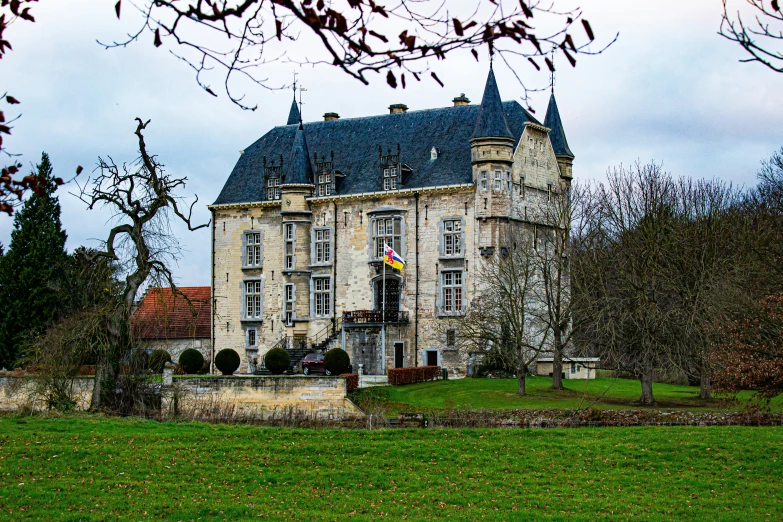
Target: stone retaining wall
x=220 y=397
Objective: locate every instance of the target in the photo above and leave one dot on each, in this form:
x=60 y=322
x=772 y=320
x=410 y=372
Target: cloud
x=670 y=89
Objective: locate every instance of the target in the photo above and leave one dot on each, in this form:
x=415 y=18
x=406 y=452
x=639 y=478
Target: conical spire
x=293 y=115
x=299 y=170
x=556 y=134
x=491 y=120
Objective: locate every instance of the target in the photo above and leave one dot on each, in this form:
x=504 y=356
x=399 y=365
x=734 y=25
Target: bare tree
x=552 y=287
x=759 y=31
x=499 y=318
x=359 y=37
x=143 y=199
x=707 y=270
x=627 y=296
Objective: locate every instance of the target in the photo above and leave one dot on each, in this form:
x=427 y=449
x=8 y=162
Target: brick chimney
x=331 y=116
x=398 y=108
x=461 y=100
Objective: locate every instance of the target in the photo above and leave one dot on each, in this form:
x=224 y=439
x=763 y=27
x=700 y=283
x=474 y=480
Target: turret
x=563 y=154
x=295 y=187
x=294 y=116
x=492 y=144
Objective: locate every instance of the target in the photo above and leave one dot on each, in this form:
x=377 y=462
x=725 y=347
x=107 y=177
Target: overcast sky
x=670 y=90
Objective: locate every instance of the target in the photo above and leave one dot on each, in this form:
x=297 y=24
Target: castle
x=299 y=227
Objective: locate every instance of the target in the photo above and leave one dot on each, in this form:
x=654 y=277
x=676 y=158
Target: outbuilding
x=573 y=367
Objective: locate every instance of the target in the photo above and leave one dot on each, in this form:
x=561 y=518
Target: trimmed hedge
x=191 y=361
x=158 y=359
x=336 y=361
x=351 y=382
x=399 y=376
x=277 y=360
x=227 y=361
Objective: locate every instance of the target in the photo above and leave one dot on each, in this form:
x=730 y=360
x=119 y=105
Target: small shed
x=573 y=367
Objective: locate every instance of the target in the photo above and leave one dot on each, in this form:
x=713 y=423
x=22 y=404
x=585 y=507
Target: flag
x=391 y=258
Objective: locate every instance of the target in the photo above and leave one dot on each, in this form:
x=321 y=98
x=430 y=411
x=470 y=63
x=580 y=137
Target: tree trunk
x=646 y=379
x=521 y=373
x=705 y=390
x=557 y=365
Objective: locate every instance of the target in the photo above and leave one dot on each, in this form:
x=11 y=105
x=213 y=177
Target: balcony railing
x=375 y=317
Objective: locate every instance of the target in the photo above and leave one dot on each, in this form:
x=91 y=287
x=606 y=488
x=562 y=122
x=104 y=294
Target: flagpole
x=383 y=313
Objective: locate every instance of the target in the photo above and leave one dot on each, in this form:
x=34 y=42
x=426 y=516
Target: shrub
x=351 y=382
x=227 y=361
x=158 y=359
x=336 y=361
x=139 y=360
x=191 y=360
x=277 y=360
x=413 y=375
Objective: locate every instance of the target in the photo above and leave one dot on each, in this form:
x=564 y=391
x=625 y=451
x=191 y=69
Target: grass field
x=501 y=394
x=94 y=468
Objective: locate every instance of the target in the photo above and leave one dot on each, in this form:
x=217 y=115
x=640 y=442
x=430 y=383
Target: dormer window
x=434 y=153
x=324 y=175
x=273 y=189
x=324 y=184
x=272 y=174
x=390 y=178
x=391 y=168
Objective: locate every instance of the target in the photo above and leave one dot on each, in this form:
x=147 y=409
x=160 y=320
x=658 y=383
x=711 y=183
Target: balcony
x=374 y=317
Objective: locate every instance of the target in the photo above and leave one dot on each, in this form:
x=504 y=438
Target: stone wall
x=175 y=347
x=257 y=397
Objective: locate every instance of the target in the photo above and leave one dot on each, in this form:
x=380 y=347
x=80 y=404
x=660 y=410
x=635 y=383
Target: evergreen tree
x=32 y=269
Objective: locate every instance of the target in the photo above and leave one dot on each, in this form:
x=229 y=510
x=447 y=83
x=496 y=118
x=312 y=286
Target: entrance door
x=432 y=358
x=392 y=294
x=399 y=355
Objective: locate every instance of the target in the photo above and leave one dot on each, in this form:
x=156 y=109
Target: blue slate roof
x=293 y=114
x=556 y=134
x=355 y=144
x=299 y=171
x=491 y=121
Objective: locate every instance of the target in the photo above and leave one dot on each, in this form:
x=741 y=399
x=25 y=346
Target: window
x=451 y=338
x=288 y=310
x=452 y=235
x=290 y=261
x=322 y=292
x=323 y=245
x=251 y=337
x=452 y=291
x=541 y=146
x=522 y=187
x=508 y=182
x=388 y=231
x=498 y=185
x=548 y=192
x=390 y=178
x=273 y=188
x=573 y=368
x=530 y=142
x=253 y=249
x=483 y=180
x=324 y=184
x=253 y=299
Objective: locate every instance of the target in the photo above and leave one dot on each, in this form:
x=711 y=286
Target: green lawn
x=501 y=394
x=94 y=468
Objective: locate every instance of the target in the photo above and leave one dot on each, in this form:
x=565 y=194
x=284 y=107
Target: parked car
x=314 y=362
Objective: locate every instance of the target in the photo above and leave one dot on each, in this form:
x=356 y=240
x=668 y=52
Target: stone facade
x=509 y=181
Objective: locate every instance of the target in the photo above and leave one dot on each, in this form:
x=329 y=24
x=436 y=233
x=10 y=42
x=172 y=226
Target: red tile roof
x=162 y=314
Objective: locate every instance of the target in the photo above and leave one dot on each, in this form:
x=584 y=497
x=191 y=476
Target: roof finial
x=301 y=90
x=552 y=72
